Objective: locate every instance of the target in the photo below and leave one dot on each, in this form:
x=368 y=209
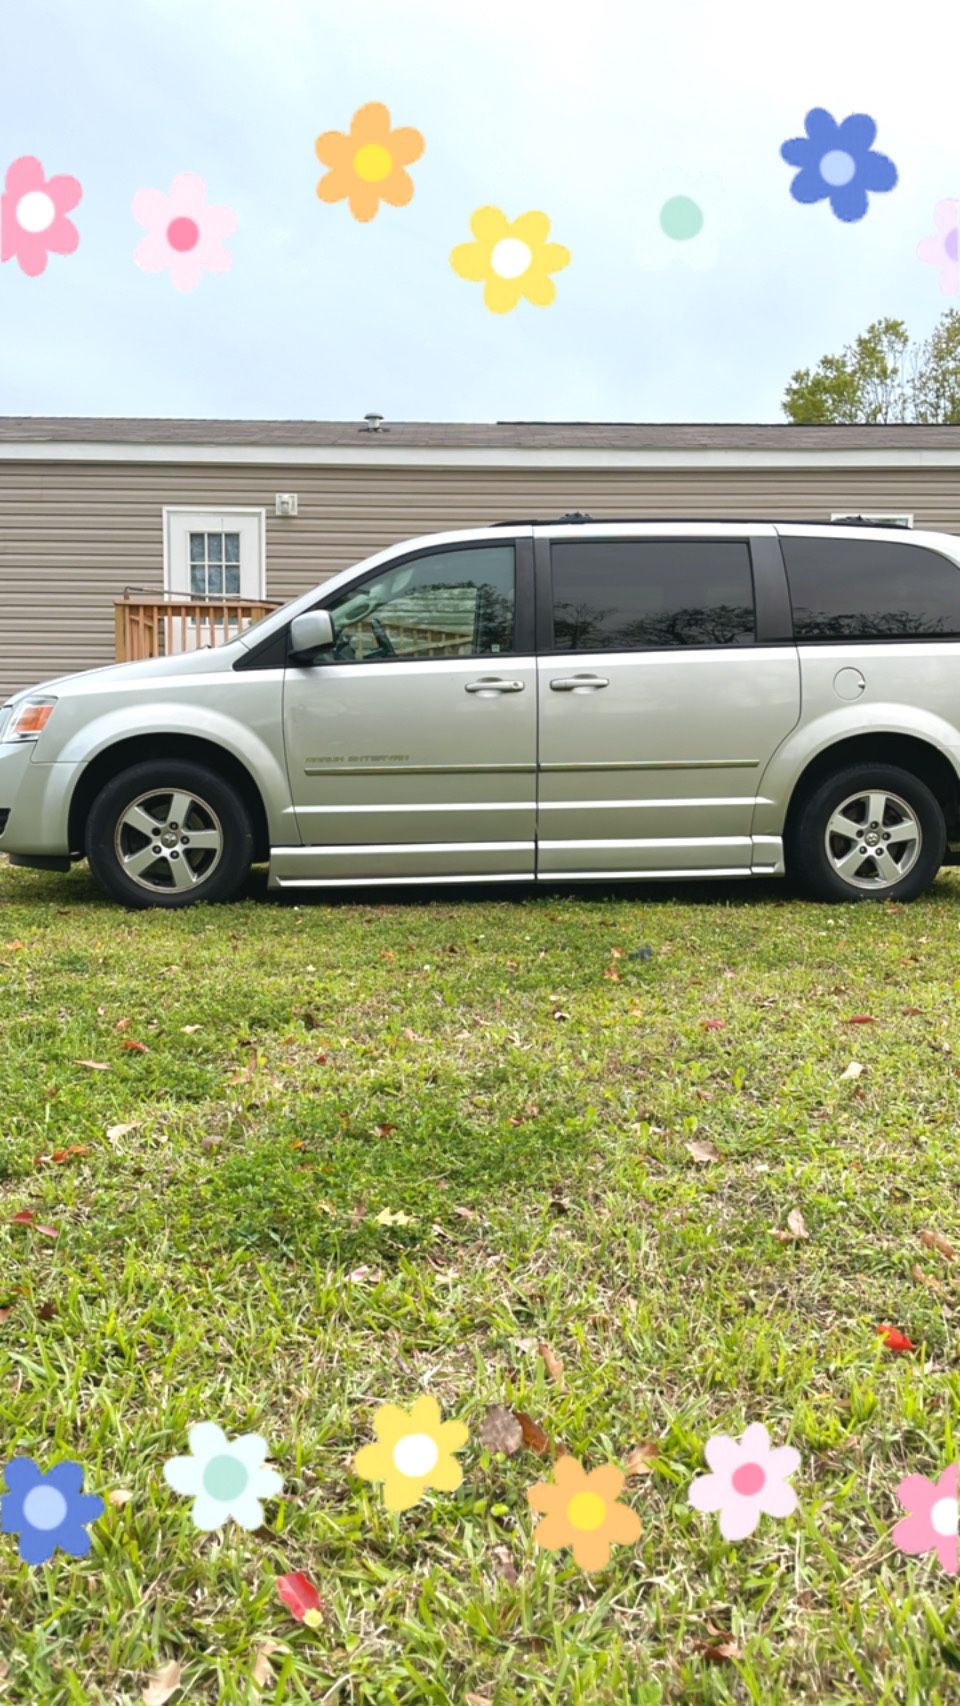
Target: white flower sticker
x=225 y=1478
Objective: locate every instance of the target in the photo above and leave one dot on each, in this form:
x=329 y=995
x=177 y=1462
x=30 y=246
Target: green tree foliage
x=883 y=377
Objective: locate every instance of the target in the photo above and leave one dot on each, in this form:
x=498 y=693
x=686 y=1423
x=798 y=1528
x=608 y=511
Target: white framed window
x=876 y=519
x=214 y=553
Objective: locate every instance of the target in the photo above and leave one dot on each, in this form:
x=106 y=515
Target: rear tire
x=169 y=834
x=899 y=847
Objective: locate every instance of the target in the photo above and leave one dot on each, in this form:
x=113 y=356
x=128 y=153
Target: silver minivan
x=550 y=701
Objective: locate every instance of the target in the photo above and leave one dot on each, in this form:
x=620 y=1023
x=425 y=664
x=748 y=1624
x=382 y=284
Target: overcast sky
x=595 y=112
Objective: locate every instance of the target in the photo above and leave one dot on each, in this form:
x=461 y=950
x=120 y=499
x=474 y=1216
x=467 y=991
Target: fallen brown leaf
x=936 y=1241
x=796 y=1229
x=119 y=1497
x=137 y=1048
x=117 y=1131
x=384 y=1129
x=928 y=1280
x=262 y=1674
x=713 y=1024
x=854 y=1070
x=47 y=1311
x=640 y=1459
x=719 y=1649
x=5 y=1313
x=703 y=1151
x=551 y=1363
x=163 y=1684
x=245 y=1073
x=534 y=1437
x=860 y=1019
x=500 y=1430
x=188 y=1030
x=94 y=1065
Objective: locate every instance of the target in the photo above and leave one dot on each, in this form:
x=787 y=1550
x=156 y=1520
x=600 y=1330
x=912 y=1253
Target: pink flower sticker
x=931 y=1521
x=185 y=232
x=943 y=250
x=33 y=216
x=749 y=1480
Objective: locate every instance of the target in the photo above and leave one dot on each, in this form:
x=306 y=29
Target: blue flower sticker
x=838 y=161
x=47 y=1511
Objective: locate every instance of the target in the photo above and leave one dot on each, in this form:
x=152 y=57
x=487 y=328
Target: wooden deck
x=162 y=627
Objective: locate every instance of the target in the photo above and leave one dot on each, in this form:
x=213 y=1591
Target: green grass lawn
x=471 y=1064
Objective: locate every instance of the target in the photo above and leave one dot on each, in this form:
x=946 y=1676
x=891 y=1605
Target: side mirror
x=311 y=632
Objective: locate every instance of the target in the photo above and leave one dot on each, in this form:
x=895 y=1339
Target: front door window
x=448 y=604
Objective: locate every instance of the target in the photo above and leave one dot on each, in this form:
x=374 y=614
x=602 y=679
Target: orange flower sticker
x=367 y=165
x=582 y=1512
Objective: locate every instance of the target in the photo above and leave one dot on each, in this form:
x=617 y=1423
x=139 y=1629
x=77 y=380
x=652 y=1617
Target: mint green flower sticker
x=225 y=1478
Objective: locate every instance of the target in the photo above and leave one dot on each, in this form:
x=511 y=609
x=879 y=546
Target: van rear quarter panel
x=912 y=688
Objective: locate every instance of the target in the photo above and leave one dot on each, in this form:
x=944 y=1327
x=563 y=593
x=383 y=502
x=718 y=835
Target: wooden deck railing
x=159 y=627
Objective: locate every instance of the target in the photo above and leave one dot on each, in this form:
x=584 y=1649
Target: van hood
x=203 y=662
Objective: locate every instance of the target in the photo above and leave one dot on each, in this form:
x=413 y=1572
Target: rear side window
x=651 y=594
x=861 y=589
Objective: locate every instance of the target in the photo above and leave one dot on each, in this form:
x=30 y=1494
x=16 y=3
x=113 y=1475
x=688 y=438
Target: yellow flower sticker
x=367 y=163
x=413 y=1452
x=510 y=260
x=582 y=1512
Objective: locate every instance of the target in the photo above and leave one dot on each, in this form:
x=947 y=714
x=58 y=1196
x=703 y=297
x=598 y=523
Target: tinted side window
x=861 y=589
x=638 y=594
x=446 y=604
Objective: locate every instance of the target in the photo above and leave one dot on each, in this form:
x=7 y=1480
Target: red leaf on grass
x=300 y=1596
x=860 y=1019
x=23 y=1217
x=714 y=1024
x=894 y=1339
x=138 y=1048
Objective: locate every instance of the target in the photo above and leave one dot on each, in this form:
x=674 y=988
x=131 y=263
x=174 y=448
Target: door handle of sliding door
x=492 y=684
x=578 y=683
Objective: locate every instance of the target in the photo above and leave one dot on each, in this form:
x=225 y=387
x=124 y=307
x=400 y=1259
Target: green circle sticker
x=681 y=218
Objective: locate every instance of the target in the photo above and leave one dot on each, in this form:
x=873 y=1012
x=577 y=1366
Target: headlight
x=29 y=719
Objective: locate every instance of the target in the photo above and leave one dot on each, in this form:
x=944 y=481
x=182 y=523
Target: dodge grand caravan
x=545 y=700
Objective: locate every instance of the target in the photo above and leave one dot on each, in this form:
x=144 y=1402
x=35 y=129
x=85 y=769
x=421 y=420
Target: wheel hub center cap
x=872 y=838
x=169 y=838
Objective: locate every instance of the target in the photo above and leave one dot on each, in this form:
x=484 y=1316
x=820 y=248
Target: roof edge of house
x=601 y=444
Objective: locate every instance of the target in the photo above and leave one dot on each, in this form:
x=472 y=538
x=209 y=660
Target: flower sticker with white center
x=47 y=1510
x=185 y=232
x=749 y=1480
x=838 y=163
x=225 y=1478
x=414 y=1451
x=33 y=216
x=511 y=260
x=932 y=1517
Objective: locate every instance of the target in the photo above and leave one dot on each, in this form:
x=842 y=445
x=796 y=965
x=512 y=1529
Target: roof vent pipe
x=374 y=423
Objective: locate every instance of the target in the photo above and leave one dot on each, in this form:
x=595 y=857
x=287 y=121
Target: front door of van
x=658 y=708
x=411 y=745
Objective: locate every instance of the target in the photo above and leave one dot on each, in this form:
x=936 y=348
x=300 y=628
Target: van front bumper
x=36 y=798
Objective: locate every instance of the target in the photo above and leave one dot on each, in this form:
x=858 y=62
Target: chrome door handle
x=488 y=685
x=578 y=683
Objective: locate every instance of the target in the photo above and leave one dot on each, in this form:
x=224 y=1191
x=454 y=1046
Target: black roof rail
x=579 y=517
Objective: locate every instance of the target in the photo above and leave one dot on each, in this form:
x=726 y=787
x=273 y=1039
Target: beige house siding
x=74 y=534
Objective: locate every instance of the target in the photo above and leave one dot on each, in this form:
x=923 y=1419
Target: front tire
x=868 y=832
x=169 y=834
